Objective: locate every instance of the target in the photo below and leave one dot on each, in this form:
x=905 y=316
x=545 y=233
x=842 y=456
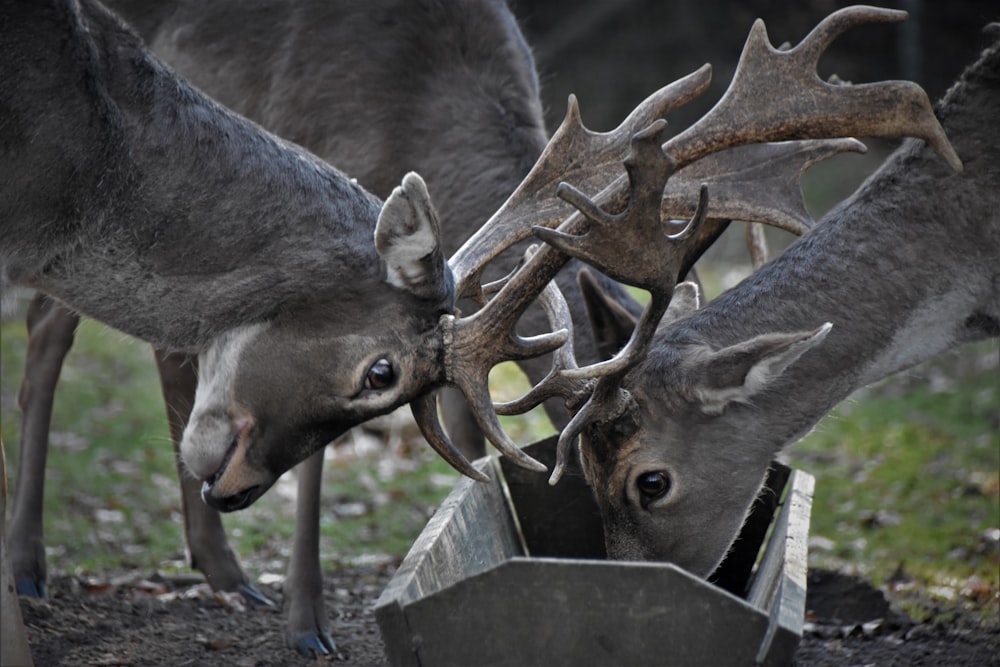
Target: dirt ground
x=150 y=621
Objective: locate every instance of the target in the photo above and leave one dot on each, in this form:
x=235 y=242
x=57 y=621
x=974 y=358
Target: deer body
x=906 y=268
x=448 y=91
x=135 y=199
x=111 y=208
x=376 y=88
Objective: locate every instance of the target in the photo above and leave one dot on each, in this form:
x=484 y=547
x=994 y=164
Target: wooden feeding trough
x=512 y=572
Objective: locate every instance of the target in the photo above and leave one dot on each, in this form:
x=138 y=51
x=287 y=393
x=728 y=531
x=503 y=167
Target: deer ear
x=738 y=372
x=685 y=300
x=408 y=238
x=610 y=322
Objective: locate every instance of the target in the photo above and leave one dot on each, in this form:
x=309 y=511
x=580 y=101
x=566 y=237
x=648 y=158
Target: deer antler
x=593 y=160
x=725 y=152
x=475 y=343
x=807 y=107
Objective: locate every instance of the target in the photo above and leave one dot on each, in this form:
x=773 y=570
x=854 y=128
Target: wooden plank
x=779 y=585
x=471 y=532
x=734 y=574
x=566 y=612
x=559 y=521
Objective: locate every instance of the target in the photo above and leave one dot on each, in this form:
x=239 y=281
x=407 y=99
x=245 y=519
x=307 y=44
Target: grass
x=908 y=477
x=907 y=473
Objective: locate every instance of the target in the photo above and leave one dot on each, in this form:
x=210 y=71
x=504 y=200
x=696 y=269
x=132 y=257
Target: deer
x=678 y=429
x=490 y=124
x=904 y=269
x=132 y=198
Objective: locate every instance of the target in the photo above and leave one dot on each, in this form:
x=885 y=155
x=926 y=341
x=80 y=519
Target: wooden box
x=512 y=572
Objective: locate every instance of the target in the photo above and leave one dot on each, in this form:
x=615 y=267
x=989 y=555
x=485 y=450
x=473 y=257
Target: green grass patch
x=907 y=475
x=110 y=495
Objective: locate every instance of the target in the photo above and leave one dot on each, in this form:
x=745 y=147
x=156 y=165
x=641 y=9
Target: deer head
x=673 y=475
x=903 y=270
x=271 y=393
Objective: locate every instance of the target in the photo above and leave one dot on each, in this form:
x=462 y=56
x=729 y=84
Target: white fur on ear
x=775 y=364
x=686 y=300
x=405 y=232
x=408 y=238
x=738 y=372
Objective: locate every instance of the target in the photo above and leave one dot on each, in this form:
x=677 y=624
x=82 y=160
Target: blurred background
x=612 y=54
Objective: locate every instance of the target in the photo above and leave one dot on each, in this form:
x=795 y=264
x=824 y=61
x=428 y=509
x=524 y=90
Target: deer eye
x=380 y=375
x=652 y=486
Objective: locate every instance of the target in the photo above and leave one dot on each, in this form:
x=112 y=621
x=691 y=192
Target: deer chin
x=698 y=552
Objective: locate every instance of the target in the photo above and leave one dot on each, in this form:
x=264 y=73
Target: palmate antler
x=724 y=167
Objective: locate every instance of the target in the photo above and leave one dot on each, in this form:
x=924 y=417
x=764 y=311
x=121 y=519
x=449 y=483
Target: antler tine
x=555 y=384
x=592 y=160
x=808 y=107
x=424 y=409
x=607 y=402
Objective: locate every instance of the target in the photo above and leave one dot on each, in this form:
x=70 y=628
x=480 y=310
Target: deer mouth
x=232 y=503
x=228 y=489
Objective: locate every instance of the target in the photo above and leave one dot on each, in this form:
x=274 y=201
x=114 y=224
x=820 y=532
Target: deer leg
x=307 y=630
x=208 y=550
x=14 y=649
x=51 y=328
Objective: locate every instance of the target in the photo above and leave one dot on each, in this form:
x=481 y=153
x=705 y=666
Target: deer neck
x=167 y=217
x=896 y=290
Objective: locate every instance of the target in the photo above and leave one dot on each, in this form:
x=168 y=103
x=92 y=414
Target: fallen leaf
x=220 y=643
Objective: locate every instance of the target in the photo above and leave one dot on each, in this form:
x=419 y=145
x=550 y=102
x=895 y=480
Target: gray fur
x=906 y=268
x=125 y=186
x=138 y=201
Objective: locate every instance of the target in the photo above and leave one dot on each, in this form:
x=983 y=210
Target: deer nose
x=230 y=503
x=234 y=484
x=211 y=440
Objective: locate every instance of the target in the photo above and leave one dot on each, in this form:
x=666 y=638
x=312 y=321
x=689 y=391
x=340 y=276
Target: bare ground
x=151 y=621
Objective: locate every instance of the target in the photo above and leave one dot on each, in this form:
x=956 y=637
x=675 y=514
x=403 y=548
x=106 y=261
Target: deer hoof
x=30 y=587
x=255 y=597
x=315 y=644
